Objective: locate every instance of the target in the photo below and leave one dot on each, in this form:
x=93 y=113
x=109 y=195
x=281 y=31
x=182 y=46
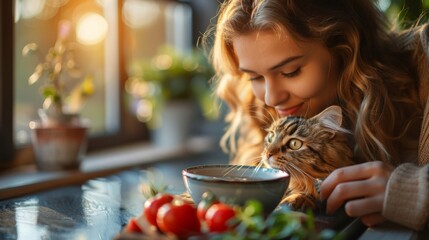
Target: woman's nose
x=274 y=93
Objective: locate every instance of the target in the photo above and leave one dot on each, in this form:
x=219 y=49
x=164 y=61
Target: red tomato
x=133 y=227
x=152 y=205
x=217 y=217
x=178 y=218
x=207 y=200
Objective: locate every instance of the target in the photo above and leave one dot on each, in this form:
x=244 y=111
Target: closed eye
x=252 y=78
x=292 y=74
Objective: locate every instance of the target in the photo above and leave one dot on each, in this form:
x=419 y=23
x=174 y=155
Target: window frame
x=130 y=129
x=6 y=88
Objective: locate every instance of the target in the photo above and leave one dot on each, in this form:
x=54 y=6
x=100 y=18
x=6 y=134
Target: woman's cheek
x=307 y=89
x=314 y=80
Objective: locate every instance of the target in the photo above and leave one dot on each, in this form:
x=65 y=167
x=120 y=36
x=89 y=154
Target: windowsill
x=28 y=179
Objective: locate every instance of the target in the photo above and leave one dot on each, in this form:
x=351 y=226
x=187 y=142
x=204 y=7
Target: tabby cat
x=309 y=149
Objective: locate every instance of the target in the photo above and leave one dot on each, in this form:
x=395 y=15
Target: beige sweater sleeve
x=407 y=195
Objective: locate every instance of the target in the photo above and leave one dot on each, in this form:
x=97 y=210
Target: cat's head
x=314 y=146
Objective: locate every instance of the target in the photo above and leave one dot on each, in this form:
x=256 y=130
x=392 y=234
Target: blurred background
x=145 y=62
x=141 y=54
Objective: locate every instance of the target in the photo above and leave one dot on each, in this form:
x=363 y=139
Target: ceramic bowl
x=237 y=183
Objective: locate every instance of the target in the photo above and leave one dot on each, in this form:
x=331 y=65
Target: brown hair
x=377 y=88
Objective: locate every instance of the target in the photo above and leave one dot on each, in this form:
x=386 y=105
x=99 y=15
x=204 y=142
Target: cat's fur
x=309 y=149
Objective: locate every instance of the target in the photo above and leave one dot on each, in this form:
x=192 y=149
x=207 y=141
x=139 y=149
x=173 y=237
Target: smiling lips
x=289 y=111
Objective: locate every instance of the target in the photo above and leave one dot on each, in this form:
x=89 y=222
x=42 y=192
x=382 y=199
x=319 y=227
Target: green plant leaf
x=177 y=76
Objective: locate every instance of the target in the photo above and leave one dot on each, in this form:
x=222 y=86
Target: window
x=6 y=71
x=25 y=21
x=135 y=29
x=95 y=52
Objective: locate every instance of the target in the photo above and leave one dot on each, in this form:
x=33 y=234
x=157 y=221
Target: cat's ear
x=331 y=117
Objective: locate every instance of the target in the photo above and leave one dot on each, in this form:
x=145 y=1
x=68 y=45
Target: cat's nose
x=271 y=153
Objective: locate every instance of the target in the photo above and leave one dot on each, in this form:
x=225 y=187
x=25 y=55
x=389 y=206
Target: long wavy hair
x=377 y=87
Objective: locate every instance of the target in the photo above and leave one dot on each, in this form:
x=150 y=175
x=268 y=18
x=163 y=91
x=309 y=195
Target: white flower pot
x=175 y=124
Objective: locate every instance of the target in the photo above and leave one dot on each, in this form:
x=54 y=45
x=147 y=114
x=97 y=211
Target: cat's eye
x=294 y=144
x=270 y=137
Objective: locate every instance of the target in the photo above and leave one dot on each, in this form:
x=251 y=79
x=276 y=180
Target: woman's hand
x=361 y=188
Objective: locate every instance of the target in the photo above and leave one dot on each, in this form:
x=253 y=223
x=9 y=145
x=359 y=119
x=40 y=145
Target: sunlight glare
x=91 y=29
x=30 y=8
x=56 y=3
x=139 y=14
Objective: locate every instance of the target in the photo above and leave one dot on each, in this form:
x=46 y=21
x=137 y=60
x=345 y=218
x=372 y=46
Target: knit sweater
x=407 y=195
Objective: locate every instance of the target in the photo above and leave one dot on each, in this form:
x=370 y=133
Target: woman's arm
x=373 y=190
x=407 y=196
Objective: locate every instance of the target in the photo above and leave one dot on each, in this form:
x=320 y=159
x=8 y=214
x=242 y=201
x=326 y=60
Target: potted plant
x=59 y=137
x=164 y=89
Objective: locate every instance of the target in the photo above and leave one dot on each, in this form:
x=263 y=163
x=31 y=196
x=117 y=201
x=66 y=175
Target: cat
x=309 y=150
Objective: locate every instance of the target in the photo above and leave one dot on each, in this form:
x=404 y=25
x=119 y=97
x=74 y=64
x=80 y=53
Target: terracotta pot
x=59 y=146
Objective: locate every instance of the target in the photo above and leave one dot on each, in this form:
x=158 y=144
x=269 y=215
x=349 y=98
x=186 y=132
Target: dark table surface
x=99 y=208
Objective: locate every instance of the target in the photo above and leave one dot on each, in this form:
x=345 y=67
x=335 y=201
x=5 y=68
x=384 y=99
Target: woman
x=288 y=57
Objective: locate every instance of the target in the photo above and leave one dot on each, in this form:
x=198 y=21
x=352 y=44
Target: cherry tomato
x=152 y=205
x=133 y=227
x=217 y=217
x=179 y=218
x=207 y=199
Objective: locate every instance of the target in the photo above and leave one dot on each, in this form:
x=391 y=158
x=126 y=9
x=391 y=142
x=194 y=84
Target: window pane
x=150 y=25
x=94 y=35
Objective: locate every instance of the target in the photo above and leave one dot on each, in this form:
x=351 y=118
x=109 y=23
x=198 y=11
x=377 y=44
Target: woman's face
x=295 y=77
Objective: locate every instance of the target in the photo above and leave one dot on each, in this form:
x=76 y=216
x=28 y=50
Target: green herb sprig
x=251 y=224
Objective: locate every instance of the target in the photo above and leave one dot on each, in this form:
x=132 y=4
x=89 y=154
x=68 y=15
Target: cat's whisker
x=230 y=169
x=265 y=119
x=301 y=171
x=308 y=108
x=256 y=159
x=306 y=185
x=244 y=172
x=292 y=169
x=257 y=168
x=272 y=117
x=299 y=183
x=260 y=164
x=294 y=174
x=267 y=115
x=288 y=170
x=297 y=174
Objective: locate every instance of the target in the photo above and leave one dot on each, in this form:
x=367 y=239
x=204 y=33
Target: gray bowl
x=237 y=183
